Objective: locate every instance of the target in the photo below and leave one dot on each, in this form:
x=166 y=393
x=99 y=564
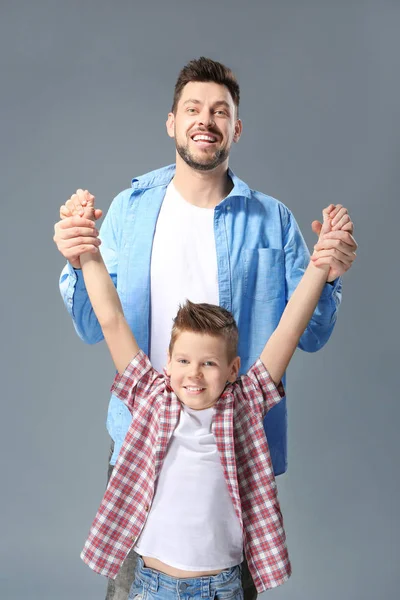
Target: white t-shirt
x=192 y=524
x=183 y=266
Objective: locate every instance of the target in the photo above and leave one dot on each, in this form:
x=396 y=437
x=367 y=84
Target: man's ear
x=234 y=369
x=171 y=125
x=238 y=130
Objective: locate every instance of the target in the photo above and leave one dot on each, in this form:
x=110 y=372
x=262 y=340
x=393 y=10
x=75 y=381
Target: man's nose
x=206 y=118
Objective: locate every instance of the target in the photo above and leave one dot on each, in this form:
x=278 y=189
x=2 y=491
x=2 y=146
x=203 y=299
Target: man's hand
x=337 y=247
x=76 y=233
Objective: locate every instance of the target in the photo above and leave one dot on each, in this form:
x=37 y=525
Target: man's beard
x=208 y=164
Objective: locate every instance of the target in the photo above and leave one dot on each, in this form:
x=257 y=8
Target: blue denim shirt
x=261 y=256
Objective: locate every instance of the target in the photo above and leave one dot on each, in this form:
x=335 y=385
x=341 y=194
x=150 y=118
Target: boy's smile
x=199 y=369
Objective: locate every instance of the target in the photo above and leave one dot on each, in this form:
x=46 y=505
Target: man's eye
x=191 y=110
x=220 y=112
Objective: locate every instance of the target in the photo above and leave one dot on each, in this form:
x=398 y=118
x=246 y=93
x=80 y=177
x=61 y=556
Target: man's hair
x=206 y=69
x=206 y=319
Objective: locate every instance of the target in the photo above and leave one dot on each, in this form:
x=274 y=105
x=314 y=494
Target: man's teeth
x=204 y=138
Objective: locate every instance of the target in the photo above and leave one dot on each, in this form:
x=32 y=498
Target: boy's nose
x=195 y=372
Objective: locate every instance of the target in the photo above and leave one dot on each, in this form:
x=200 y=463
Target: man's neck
x=205 y=189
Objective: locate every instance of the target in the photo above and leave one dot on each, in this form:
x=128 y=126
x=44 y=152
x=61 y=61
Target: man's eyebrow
x=217 y=103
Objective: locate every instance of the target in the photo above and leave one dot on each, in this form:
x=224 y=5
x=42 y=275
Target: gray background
x=85 y=91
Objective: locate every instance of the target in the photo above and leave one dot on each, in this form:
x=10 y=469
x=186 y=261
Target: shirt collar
x=162 y=177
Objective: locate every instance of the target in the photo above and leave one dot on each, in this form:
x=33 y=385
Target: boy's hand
x=336 y=246
x=76 y=232
x=81 y=203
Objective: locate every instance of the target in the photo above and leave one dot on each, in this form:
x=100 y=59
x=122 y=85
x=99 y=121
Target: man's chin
x=202 y=162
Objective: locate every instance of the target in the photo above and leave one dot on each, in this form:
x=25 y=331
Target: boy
x=195 y=463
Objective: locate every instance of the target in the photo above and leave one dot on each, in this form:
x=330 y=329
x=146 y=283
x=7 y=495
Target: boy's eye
x=209 y=363
x=183 y=361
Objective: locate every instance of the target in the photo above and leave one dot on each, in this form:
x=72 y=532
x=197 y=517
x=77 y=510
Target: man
x=196 y=231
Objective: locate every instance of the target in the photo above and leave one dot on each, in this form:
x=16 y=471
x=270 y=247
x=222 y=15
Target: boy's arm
x=107 y=306
x=72 y=284
x=283 y=342
x=105 y=301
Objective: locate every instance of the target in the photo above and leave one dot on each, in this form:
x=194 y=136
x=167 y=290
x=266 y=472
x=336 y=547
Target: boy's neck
x=204 y=189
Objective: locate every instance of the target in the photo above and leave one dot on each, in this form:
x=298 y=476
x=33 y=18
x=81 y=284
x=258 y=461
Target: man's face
x=199 y=369
x=204 y=125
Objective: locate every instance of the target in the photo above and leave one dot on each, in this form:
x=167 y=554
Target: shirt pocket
x=264 y=273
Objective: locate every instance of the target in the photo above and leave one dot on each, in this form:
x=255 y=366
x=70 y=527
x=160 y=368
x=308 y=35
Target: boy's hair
x=206 y=69
x=206 y=319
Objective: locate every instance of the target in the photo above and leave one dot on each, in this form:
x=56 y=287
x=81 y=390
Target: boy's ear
x=234 y=369
x=168 y=367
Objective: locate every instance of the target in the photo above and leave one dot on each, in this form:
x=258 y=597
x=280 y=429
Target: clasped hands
x=76 y=233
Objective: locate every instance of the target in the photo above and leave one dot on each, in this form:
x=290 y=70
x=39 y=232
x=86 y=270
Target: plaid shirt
x=243 y=449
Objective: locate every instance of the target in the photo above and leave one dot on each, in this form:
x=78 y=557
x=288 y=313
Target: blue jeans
x=153 y=585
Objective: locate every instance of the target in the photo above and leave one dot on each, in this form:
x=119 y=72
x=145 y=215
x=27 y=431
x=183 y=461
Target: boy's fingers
x=64 y=212
x=340 y=213
x=348 y=227
x=343 y=221
x=81 y=195
x=335 y=211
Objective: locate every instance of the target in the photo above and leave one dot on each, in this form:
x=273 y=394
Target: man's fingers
x=73 y=232
x=335 y=264
x=75 y=221
x=343 y=236
x=316 y=226
x=81 y=240
x=336 y=245
x=334 y=254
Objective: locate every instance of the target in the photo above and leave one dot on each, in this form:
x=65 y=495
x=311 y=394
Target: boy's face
x=199 y=369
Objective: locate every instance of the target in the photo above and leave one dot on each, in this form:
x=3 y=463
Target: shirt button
x=228 y=207
x=146 y=508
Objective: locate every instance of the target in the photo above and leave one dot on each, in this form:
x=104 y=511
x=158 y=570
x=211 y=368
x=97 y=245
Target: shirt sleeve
x=137 y=382
x=261 y=389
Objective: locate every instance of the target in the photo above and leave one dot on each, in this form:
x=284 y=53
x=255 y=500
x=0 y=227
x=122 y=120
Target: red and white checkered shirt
x=243 y=449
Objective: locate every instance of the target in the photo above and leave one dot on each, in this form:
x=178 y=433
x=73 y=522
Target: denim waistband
x=203 y=586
